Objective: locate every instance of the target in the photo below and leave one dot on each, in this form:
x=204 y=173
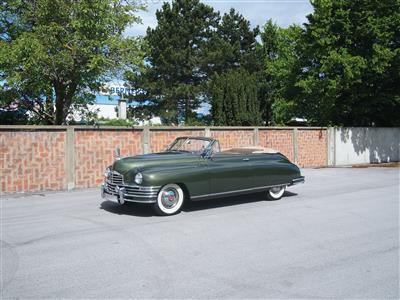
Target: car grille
x=115 y=178
x=131 y=191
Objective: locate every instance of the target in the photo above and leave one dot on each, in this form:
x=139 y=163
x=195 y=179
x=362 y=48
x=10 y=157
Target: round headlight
x=139 y=178
x=107 y=172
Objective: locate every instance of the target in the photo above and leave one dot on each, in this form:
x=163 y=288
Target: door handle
x=246 y=159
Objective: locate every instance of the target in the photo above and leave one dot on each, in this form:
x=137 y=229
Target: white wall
x=108 y=111
x=105 y=110
x=359 y=145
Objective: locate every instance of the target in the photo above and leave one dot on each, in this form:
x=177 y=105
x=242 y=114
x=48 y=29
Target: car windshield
x=188 y=144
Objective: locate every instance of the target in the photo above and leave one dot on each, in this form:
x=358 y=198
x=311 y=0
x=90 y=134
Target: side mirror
x=117 y=153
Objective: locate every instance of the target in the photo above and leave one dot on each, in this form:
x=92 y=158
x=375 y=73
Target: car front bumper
x=129 y=193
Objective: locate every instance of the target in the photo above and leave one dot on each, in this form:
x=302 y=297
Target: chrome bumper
x=129 y=193
x=299 y=180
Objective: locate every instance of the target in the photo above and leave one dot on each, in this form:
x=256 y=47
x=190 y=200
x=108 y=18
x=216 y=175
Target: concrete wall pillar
x=207 y=132
x=70 y=158
x=256 y=139
x=146 y=140
x=295 y=145
x=331 y=146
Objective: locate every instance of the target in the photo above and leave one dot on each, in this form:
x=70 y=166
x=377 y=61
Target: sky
x=282 y=12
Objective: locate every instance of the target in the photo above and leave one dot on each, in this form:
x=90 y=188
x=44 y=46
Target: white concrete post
x=122 y=108
x=70 y=157
x=331 y=141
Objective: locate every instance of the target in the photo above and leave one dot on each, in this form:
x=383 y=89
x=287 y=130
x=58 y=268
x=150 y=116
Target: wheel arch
x=185 y=190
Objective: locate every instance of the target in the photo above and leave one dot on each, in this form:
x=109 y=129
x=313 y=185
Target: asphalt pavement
x=336 y=236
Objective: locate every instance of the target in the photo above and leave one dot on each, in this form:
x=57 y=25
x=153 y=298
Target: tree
x=178 y=61
x=55 y=54
x=235 y=99
x=235 y=44
x=281 y=48
x=234 y=88
x=351 y=65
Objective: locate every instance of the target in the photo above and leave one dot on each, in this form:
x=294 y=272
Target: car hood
x=140 y=163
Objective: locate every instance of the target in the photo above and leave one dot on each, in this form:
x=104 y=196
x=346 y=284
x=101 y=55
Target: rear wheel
x=276 y=193
x=169 y=200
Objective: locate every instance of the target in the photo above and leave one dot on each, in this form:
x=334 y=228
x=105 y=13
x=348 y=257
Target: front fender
x=194 y=178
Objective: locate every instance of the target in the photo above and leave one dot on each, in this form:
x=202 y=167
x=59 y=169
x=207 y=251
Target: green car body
x=201 y=176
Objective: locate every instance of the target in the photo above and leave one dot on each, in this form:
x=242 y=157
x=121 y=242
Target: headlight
x=107 y=172
x=139 y=178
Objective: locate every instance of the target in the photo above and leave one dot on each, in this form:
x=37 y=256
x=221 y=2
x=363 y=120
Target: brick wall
x=281 y=140
x=32 y=161
x=94 y=150
x=233 y=138
x=36 y=158
x=312 y=148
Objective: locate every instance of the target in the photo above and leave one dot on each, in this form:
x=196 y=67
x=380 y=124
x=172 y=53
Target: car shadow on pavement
x=129 y=208
x=229 y=201
x=143 y=210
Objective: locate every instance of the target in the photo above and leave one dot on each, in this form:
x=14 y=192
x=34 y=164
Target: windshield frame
x=206 y=151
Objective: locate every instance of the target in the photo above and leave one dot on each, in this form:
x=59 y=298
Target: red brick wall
x=160 y=139
x=312 y=148
x=233 y=138
x=280 y=140
x=94 y=151
x=32 y=161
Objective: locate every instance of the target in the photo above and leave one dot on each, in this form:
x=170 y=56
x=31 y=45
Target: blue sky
x=283 y=12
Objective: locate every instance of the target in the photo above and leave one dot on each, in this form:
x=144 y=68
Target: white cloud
x=283 y=12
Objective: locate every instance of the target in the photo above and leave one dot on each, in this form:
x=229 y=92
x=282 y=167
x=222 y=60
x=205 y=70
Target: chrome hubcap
x=276 y=190
x=169 y=198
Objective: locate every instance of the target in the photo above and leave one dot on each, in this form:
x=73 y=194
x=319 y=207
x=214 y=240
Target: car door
x=229 y=172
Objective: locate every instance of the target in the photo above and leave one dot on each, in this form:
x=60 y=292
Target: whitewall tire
x=169 y=200
x=276 y=193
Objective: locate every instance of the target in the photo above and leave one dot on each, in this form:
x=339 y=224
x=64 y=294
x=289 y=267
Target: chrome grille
x=134 y=191
x=115 y=178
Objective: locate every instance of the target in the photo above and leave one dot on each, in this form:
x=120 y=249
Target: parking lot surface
x=335 y=236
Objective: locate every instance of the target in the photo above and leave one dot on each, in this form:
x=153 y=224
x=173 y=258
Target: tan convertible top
x=250 y=150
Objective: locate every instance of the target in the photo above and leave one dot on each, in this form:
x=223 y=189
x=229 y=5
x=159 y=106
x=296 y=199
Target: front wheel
x=169 y=200
x=276 y=193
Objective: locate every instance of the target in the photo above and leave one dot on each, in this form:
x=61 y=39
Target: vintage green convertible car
x=194 y=168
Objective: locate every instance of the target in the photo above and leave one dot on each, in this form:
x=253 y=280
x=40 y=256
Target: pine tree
x=235 y=44
x=179 y=58
x=235 y=99
x=234 y=91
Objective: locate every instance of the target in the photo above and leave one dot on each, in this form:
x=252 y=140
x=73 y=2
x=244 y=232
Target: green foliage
x=351 y=63
x=234 y=90
x=200 y=121
x=178 y=59
x=235 y=44
x=341 y=68
x=13 y=117
x=55 y=54
x=281 y=48
x=116 y=122
x=235 y=99
x=141 y=112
